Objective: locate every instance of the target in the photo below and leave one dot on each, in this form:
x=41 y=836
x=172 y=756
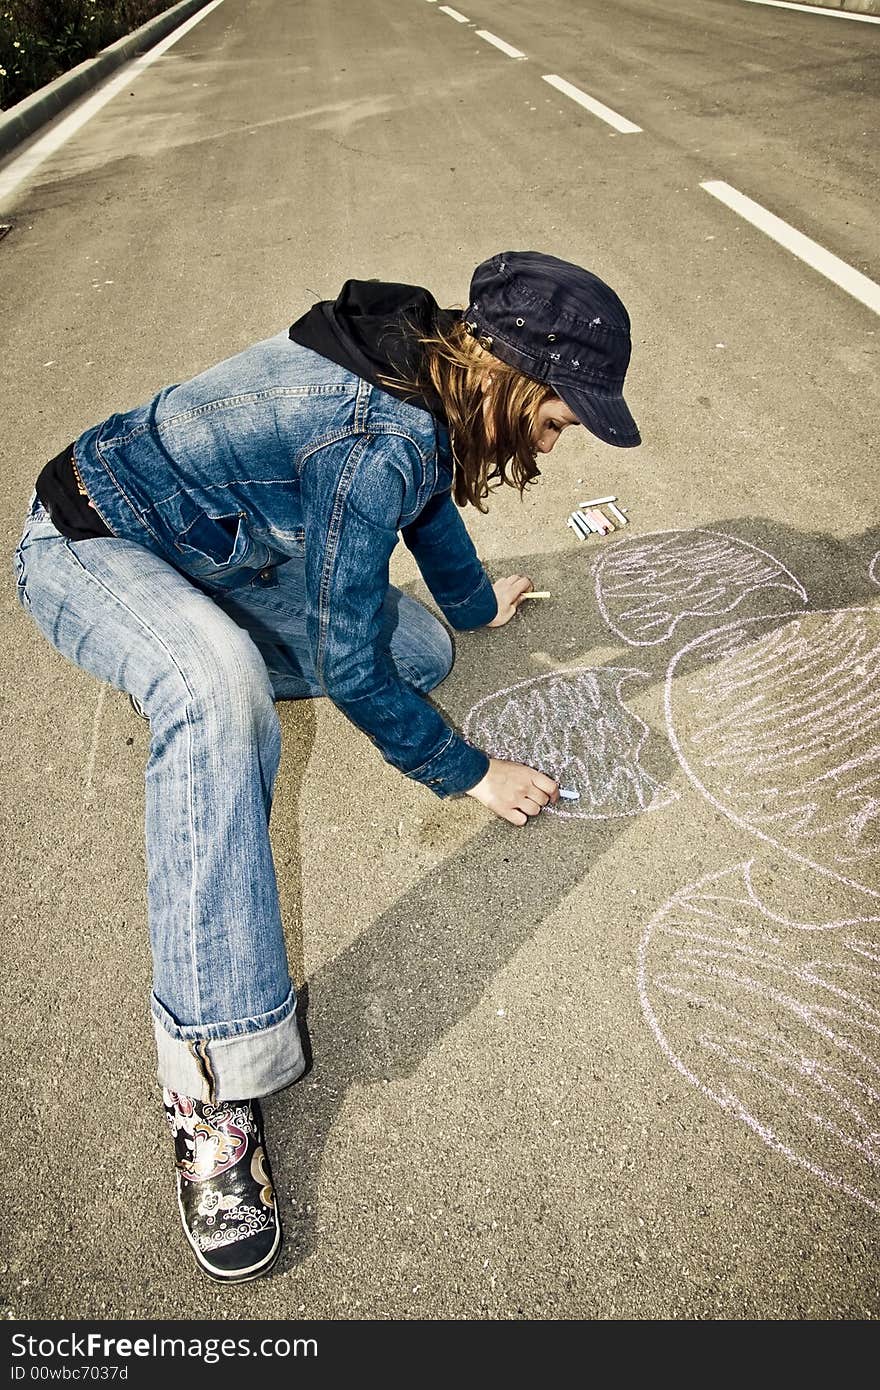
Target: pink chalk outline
x=688 y=900
x=664 y=795
x=695 y=780
x=673 y=620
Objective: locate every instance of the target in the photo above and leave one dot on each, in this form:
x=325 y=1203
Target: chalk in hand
x=568 y=794
x=536 y=593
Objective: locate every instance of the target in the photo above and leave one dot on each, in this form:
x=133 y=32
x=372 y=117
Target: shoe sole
x=245 y=1277
x=238 y=1276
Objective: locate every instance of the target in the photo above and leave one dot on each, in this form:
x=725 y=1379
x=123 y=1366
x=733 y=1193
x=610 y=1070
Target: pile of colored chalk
x=598 y=517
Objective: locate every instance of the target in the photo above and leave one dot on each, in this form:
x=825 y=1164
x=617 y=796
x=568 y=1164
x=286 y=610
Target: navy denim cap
x=558 y=323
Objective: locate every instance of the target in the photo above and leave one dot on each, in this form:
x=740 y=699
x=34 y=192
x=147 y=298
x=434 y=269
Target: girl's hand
x=509 y=594
x=514 y=792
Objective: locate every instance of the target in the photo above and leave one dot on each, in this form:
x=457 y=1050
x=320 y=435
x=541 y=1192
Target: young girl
x=227 y=545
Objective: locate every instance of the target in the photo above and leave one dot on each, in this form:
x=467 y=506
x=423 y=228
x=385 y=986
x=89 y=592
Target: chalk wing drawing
x=778 y=1024
x=777 y=723
x=574 y=725
x=647 y=586
x=874 y=568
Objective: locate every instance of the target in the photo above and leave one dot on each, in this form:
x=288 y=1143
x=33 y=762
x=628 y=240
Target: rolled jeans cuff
x=253 y=1058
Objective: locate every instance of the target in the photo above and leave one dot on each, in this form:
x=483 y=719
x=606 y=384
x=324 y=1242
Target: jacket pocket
x=221 y=550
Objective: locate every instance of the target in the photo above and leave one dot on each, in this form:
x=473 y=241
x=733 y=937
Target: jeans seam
x=343 y=486
x=139 y=519
x=413 y=677
x=20 y=581
x=146 y=626
x=433 y=758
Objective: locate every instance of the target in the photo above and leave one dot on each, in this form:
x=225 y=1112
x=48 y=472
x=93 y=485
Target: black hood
x=372 y=329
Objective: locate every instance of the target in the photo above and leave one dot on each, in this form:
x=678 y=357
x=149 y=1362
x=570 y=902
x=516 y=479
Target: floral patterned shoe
x=224 y=1186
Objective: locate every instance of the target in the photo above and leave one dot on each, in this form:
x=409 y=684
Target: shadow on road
x=381 y=1007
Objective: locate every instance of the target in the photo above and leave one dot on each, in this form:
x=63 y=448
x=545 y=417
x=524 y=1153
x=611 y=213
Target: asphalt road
x=539 y=1090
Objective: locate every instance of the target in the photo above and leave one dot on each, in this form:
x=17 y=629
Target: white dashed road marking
x=499 y=43
x=591 y=104
x=455 y=14
x=827 y=264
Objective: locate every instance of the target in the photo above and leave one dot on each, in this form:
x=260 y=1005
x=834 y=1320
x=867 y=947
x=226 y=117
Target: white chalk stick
x=568 y=795
x=597 y=502
x=593 y=525
x=536 y=593
x=617 y=514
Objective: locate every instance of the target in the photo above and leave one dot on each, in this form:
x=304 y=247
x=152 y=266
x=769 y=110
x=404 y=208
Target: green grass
x=40 y=39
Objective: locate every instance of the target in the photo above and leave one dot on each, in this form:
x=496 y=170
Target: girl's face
x=554 y=416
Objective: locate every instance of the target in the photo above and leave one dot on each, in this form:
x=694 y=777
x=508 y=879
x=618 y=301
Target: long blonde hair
x=492 y=443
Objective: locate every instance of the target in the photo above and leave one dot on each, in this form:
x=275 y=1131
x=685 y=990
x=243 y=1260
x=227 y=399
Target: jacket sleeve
x=352 y=496
x=445 y=554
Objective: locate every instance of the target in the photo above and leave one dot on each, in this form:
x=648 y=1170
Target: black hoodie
x=372 y=329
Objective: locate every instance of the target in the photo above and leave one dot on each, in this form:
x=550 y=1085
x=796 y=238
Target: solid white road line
x=499 y=43
x=591 y=104
x=455 y=14
x=817 y=9
x=19 y=169
x=832 y=267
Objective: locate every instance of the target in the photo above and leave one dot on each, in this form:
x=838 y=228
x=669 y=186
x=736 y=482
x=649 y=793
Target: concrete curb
x=27 y=116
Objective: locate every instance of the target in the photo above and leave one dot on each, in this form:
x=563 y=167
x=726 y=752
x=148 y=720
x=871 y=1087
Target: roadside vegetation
x=40 y=39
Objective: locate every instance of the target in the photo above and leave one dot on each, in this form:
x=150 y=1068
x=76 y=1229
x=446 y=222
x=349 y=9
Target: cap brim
x=606 y=416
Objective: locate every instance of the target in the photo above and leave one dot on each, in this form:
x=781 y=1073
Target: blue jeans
x=206 y=671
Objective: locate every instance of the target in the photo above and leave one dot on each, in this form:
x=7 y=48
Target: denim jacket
x=279 y=453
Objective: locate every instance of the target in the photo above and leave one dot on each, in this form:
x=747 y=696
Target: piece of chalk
x=536 y=593
x=579 y=525
x=617 y=514
x=593 y=526
x=568 y=795
x=597 y=502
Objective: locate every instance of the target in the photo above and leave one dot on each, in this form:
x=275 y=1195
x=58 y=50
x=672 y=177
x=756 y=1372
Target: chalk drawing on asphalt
x=775 y=1022
x=576 y=727
x=874 y=569
x=777 y=723
x=648 y=585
